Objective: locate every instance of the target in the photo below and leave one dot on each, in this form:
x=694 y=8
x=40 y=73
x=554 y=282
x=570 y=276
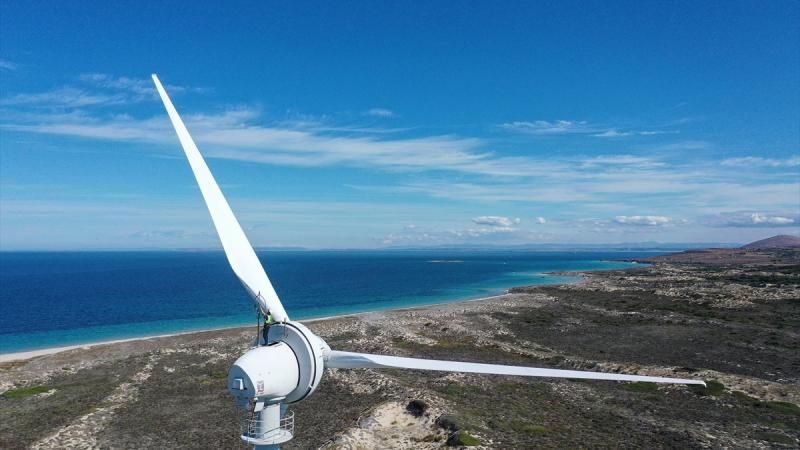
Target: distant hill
x=779 y=241
x=782 y=249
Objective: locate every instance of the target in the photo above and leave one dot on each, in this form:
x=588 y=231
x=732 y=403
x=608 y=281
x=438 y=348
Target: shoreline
x=26 y=354
x=35 y=353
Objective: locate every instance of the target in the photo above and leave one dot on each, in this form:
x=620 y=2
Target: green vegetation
x=25 y=392
x=462 y=438
x=521 y=426
x=451 y=341
x=448 y=422
x=777 y=438
x=641 y=386
x=784 y=407
x=416 y=408
x=742 y=397
x=780 y=407
x=345 y=336
x=400 y=342
x=712 y=387
x=453 y=389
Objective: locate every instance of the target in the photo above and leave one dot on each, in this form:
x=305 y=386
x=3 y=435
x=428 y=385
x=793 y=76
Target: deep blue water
x=56 y=299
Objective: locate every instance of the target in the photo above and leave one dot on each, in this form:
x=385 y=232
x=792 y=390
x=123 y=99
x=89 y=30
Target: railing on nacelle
x=250 y=426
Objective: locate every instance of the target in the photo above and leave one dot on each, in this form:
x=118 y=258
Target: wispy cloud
x=235 y=135
x=571 y=127
x=8 y=65
x=155 y=235
x=613 y=133
x=622 y=160
x=457 y=167
x=496 y=221
x=379 y=112
x=757 y=219
x=757 y=161
x=94 y=89
x=66 y=97
x=649 y=221
x=546 y=127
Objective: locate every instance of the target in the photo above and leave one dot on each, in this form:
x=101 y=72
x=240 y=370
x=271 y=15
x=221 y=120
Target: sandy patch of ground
x=390 y=425
x=81 y=433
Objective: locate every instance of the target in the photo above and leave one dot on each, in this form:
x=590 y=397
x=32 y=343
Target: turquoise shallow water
x=57 y=299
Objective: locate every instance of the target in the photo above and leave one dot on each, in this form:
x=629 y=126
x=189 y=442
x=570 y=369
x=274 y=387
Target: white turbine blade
x=349 y=360
x=240 y=253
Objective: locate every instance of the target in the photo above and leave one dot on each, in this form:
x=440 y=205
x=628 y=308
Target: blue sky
x=371 y=124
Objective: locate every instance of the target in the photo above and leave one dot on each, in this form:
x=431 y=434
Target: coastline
x=25 y=336
x=30 y=354
x=24 y=355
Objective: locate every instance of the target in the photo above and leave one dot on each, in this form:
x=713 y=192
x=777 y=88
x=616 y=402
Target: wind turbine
x=287 y=366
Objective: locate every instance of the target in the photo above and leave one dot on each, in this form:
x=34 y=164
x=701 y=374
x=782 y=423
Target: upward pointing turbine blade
x=349 y=360
x=240 y=253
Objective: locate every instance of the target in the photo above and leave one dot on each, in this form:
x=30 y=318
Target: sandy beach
x=733 y=325
x=28 y=354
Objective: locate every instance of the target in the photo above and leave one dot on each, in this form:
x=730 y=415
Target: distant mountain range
x=779 y=241
x=625 y=246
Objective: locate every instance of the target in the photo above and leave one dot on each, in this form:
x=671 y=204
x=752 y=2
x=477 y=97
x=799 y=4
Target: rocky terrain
x=732 y=320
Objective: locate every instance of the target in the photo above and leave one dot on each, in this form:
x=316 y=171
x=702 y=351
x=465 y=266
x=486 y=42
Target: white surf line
x=81 y=433
x=21 y=356
x=17 y=356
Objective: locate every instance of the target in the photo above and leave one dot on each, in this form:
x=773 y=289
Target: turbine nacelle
x=264 y=374
x=286 y=368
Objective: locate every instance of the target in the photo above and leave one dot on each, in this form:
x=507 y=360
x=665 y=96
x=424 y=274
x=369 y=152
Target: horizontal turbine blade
x=240 y=253
x=349 y=360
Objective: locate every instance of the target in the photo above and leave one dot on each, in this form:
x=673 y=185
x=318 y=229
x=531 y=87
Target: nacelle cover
x=268 y=373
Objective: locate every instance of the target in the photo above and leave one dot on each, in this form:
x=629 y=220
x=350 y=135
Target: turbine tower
x=288 y=365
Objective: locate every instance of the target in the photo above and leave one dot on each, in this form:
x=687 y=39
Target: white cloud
x=66 y=97
x=540 y=220
x=622 y=160
x=496 y=221
x=470 y=236
x=233 y=135
x=95 y=89
x=379 y=112
x=771 y=220
x=757 y=161
x=8 y=65
x=613 y=133
x=150 y=235
x=652 y=221
x=681 y=146
x=753 y=219
x=590 y=182
x=545 y=127
x=137 y=86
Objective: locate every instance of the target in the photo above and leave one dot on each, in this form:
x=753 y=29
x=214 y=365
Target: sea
x=69 y=298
